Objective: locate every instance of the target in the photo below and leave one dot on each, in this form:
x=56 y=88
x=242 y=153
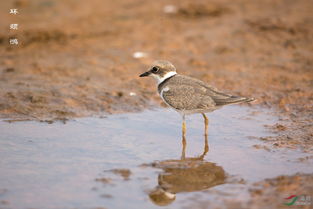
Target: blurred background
x=79 y=58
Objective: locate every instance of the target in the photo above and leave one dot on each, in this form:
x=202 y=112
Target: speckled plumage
x=189 y=95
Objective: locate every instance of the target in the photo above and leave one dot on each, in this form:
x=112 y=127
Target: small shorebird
x=188 y=95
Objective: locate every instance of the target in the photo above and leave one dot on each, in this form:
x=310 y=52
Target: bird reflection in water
x=188 y=174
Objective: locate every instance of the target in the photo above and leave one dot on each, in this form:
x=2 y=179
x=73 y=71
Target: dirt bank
x=77 y=60
x=269 y=193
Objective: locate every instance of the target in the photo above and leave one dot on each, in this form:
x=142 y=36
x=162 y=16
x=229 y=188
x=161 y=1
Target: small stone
x=139 y=55
x=170 y=9
x=9 y=70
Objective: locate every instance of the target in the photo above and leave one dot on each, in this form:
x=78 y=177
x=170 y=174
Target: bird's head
x=160 y=70
x=161 y=197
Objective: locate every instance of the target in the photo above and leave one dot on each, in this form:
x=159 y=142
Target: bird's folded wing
x=221 y=98
x=187 y=97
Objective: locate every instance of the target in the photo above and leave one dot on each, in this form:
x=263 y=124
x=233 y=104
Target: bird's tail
x=233 y=100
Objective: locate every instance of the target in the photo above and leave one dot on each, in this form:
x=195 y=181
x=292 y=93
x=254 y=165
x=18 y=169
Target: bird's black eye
x=155 y=69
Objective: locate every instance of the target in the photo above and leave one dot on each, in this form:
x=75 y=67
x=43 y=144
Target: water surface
x=131 y=160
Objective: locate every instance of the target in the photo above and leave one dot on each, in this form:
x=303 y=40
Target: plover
x=188 y=95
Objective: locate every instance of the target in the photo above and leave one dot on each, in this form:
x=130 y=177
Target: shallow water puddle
x=134 y=160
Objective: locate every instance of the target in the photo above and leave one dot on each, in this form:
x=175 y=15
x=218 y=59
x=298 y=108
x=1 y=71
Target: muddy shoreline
x=59 y=71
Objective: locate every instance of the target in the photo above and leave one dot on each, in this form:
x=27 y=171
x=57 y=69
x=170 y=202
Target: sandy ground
x=76 y=59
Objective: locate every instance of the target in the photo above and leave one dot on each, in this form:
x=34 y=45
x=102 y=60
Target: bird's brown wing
x=187 y=97
x=186 y=93
x=219 y=98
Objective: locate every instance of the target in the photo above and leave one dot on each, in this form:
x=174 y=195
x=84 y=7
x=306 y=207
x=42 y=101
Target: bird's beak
x=145 y=74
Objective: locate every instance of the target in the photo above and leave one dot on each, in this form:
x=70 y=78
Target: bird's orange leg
x=206 y=124
x=184 y=127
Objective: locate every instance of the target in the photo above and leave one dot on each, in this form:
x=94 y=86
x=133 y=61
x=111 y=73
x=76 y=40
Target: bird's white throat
x=166 y=76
